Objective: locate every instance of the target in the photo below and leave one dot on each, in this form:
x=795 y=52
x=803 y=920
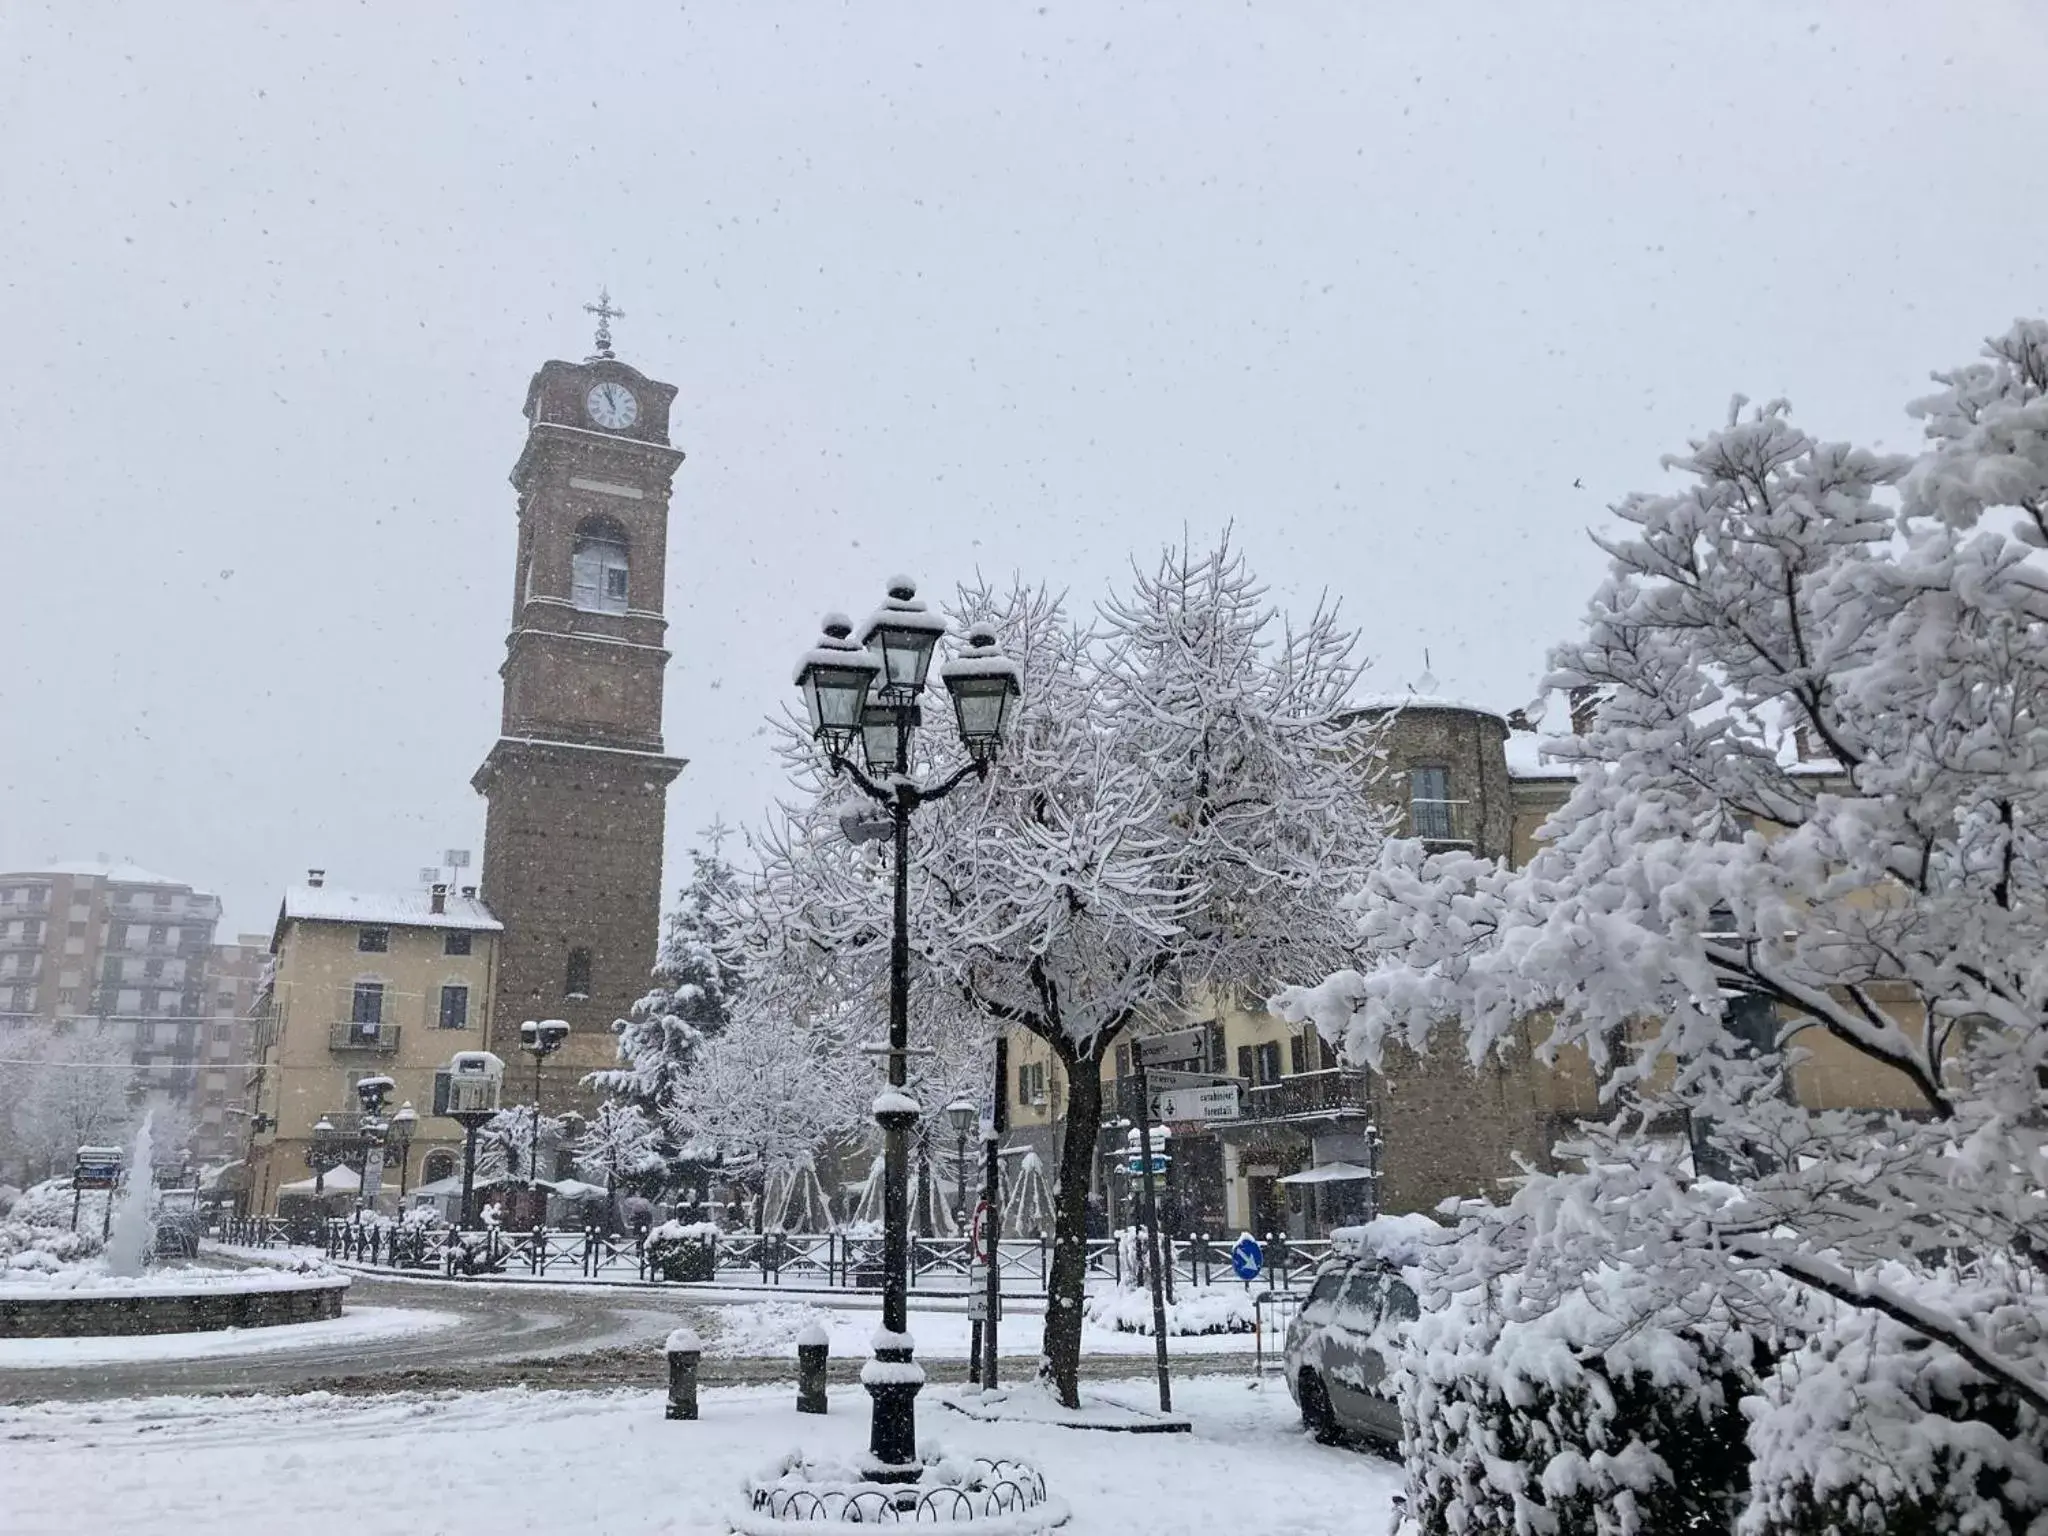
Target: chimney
x=440 y=898
x=1802 y=741
x=1585 y=705
x=469 y=893
x=316 y=878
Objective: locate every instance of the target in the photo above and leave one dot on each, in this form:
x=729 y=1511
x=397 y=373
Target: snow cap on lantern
x=835 y=676
x=985 y=686
x=902 y=634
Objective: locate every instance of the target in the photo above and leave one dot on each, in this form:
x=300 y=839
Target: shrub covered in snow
x=1193 y=1310
x=1585 y=1418
x=679 y=1251
x=1871 y=1429
x=27 y=1249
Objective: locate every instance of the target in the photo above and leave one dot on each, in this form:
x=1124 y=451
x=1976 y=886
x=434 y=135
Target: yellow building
x=1315 y=1139
x=364 y=985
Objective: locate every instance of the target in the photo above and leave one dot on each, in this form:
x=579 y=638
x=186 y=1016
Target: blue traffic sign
x=1247 y=1258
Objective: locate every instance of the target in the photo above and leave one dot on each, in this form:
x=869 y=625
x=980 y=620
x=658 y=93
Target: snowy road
x=482 y=1336
x=492 y=1325
x=493 y=1463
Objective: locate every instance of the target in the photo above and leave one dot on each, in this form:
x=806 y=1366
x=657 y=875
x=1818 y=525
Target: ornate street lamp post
x=399 y=1134
x=963 y=1113
x=371 y=1092
x=540 y=1040
x=872 y=692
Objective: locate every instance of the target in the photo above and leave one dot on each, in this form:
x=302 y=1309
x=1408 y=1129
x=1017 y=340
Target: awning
x=339 y=1181
x=1327 y=1173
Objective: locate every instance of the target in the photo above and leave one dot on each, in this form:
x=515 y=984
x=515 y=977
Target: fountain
x=132 y=1242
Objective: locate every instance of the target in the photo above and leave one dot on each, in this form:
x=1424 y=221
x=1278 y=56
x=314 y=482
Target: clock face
x=612 y=406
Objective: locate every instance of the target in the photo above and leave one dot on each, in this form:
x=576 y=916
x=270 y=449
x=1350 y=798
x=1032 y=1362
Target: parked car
x=1336 y=1346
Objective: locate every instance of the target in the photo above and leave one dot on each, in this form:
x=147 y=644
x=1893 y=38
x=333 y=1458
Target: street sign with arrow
x=1210 y=1102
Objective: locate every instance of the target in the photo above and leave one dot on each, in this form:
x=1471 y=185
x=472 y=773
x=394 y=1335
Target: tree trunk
x=1066 y=1286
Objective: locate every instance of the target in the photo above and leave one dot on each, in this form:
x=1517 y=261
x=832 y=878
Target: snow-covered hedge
x=1587 y=1419
x=679 y=1251
x=1193 y=1310
x=1871 y=1430
x=27 y=1249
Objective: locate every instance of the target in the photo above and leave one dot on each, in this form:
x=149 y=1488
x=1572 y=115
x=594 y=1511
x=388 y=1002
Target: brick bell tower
x=577 y=784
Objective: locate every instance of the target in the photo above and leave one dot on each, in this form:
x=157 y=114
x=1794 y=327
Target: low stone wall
x=194 y=1311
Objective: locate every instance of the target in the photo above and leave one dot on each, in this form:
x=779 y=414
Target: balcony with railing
x=1441 y=822
x=1334 y=1091
x=378 y=1039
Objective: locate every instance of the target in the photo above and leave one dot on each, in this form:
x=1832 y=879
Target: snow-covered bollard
x=685 y=1350
x=812 y=1349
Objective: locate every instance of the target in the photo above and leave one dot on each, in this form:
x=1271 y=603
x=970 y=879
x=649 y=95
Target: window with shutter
x=1244 y=1063
x=1297 y=1054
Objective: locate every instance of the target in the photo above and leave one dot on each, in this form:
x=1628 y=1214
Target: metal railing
x=805 y=1260
x=1440 y=821
x=1333 y=1089
x=253 y=1231
x=351 y=1036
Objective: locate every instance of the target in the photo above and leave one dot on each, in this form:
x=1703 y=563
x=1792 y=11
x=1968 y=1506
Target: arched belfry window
x=576 y=977
x=598 y=568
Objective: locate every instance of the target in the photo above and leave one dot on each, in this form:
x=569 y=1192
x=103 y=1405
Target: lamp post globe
x=901 y=635
x=985 y=687
x=869 y=694
x=836 y=676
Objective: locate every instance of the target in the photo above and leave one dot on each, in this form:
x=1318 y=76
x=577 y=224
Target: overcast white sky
x=943 y=287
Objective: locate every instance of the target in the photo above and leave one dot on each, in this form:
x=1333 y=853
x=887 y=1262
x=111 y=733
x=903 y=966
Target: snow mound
x=1194 y=1310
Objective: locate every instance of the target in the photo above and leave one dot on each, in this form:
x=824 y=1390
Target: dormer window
x=598 y=569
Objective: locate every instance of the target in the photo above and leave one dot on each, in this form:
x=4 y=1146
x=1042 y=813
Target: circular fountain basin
x=168 y=1301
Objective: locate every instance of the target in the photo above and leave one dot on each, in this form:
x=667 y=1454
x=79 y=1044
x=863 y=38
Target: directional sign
x=1247 y=1258
x=1181 y=1045
x=1156 y=1080
x=1214 y=1103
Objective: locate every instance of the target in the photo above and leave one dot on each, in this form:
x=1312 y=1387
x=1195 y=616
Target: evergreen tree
x=695 y=987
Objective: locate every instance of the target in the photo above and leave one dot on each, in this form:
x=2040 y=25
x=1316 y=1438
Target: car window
x=1402 y=1305
x=1362 y=1293
x=1325 y=1287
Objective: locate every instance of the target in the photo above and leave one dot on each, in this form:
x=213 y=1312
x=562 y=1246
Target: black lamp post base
x=892 y=1433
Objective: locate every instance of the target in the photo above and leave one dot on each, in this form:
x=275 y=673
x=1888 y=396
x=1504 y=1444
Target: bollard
x=811 y=1350
x=685 y=1350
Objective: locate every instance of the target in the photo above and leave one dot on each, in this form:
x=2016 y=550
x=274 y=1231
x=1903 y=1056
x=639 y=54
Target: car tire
x=1316 y=1416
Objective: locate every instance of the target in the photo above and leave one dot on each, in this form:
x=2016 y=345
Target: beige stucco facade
x=315 y=1048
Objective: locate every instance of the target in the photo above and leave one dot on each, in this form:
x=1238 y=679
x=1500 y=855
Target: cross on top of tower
x=606 y=314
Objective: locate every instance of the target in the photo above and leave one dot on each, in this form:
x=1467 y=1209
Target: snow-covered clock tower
x=577 y=784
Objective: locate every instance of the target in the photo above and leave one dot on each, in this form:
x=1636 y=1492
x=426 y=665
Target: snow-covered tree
x=768 y=1093
x=506 y=1145
x=695 y=986
x=618 y=1143
x=1183 y=796
x=76 y=1090
x=1881 y=890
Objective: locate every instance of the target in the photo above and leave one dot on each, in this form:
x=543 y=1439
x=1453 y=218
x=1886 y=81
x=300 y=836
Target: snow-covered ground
x=356 y=1325
x=493 y=1463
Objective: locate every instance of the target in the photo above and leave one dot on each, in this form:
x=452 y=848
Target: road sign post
x=995 y=1117
x=1152 y=1227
